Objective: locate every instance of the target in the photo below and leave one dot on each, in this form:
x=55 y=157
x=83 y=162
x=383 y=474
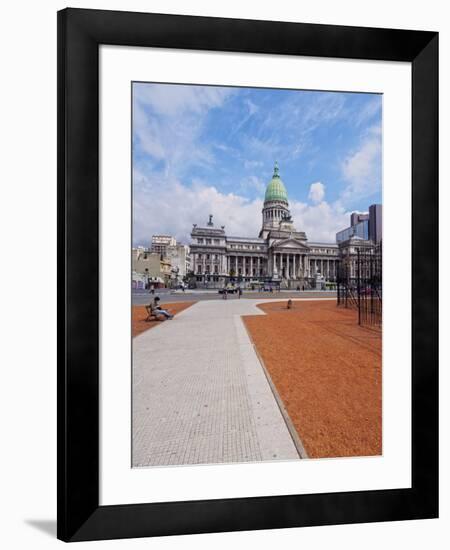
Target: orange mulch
x=139 y=314
x=327 y=371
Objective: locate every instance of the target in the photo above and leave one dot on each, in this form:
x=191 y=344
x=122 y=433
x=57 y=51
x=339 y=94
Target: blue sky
x=205 y=149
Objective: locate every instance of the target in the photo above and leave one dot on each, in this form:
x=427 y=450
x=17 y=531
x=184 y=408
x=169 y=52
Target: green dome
x=276 y=191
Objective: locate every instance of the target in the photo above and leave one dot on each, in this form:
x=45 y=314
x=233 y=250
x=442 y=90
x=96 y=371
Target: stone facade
x=155 y=269
x=280 y=255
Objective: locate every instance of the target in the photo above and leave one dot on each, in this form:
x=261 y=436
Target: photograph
x=232 y=217
x=256 y=274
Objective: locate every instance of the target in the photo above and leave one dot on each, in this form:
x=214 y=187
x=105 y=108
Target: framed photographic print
x=247 y=284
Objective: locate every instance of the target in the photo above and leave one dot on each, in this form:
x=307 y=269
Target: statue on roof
x=210 y=222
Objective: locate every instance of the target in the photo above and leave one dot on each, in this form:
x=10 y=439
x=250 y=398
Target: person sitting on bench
x=156 y=310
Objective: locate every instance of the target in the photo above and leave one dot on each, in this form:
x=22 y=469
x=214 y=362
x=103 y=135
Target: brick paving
x=200 y=395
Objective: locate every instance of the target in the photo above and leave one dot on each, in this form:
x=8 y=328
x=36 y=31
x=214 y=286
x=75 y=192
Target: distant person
x=271 y=289
x=152 y=289
x=239 y=292
x=157 y=310
x=298 y=287
x=225 y=294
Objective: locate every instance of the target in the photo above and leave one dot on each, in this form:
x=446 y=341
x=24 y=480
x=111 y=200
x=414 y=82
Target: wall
x=28 y=214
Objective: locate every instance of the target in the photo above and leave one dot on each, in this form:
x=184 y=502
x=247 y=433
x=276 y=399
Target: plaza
x=205 y=391
x=200 y=395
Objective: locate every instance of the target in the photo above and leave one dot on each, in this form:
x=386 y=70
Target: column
x=251 y=266
x=295 y=273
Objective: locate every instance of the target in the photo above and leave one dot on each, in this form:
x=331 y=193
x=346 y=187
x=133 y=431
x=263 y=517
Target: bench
x=152 y=314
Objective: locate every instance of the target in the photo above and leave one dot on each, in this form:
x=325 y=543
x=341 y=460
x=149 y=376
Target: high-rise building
x=364 y=226
x=357 y=217
x=375 y=223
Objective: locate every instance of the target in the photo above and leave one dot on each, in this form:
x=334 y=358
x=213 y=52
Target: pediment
x=289 y=244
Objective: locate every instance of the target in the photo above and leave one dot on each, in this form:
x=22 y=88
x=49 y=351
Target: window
x=199 y=269
x=199 y=256
x=200 y=241
x=208 y=241
x=216 y=241
x=207 y=256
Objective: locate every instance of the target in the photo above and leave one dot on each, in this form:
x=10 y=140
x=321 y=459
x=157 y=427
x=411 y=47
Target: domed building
x=279 y=256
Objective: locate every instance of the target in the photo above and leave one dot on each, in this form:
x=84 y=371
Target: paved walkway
x=200 y=395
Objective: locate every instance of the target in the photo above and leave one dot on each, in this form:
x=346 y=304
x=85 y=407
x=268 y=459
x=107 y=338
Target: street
x=143 y=297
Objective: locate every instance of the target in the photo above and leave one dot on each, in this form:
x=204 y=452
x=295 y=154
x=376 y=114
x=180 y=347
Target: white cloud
x=168 y=121
x=176 y=100
x=362 y=168
x=252 y=183
x=165 y=205
x=321 y=221
x=371 y=108
x=317 y=192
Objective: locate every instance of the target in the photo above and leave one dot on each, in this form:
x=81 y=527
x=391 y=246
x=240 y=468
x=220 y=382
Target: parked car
x=230 y=290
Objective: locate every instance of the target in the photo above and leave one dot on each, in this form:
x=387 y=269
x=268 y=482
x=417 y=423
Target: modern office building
x=364 y=226
x=376 y=223
x=357 y=217
x=364 y=236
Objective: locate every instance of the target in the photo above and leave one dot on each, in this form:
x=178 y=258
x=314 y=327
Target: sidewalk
x=200 y=395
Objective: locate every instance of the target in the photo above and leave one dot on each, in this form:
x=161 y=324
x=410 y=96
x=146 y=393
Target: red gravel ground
x=139 y=314
x=327 y=371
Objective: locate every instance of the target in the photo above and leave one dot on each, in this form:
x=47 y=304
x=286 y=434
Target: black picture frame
x=80 y=32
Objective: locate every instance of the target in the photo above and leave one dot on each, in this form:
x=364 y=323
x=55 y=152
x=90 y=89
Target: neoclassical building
x=279 y=255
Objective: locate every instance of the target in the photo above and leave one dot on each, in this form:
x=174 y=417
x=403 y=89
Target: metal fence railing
x=359 y=285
